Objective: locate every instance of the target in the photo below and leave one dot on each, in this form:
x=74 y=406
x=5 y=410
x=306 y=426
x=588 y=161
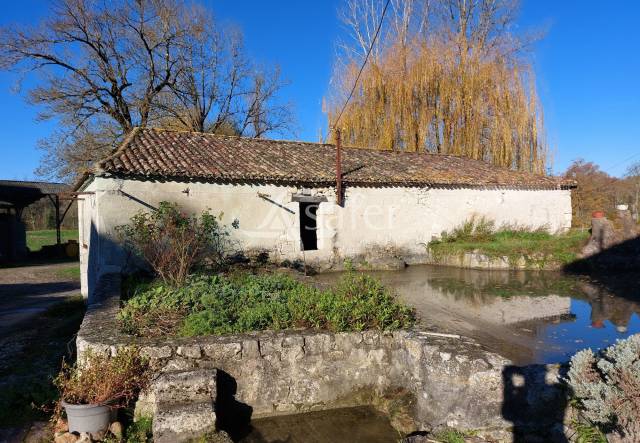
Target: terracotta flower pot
x=87 y=418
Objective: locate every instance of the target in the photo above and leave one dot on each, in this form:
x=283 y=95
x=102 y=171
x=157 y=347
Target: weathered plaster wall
x=442 y=380
x=373 y=221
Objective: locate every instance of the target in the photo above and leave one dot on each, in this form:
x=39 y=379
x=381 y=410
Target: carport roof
x=23 y=193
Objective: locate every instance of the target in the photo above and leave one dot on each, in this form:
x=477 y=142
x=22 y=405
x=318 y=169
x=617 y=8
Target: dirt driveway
x=40 y=311
x=30 y=290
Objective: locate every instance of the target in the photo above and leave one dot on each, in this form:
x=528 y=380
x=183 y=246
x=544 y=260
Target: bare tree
x=102 y=64
x=108 y=66
x=220 y=90
x=633 y=177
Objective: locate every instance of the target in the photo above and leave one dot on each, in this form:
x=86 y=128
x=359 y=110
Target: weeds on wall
x=515 y=242
x=173 y=243
x=242 y=302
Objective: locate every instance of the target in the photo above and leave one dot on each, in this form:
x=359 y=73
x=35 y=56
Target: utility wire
x=623 y=161
x=364 y=63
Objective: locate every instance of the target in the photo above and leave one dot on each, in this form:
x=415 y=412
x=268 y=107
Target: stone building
x=280 y=196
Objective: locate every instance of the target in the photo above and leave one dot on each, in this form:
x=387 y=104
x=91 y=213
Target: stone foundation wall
x=439 y=380
x=477 y=260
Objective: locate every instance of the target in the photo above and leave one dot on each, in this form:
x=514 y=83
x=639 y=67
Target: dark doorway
x=308 y=226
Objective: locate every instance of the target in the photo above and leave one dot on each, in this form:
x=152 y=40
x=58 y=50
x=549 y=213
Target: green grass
x=242 y=302
x=537 y=247
x=37 y=239
x=588 y=433
x=70 y=273
x=451 y=436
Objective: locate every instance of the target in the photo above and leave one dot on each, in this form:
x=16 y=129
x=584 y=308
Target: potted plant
x=91 y=391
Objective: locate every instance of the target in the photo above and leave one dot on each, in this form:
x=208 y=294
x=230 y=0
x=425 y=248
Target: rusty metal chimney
x=338 y=169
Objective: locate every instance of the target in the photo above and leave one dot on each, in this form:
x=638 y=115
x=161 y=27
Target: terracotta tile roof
x=177 y=155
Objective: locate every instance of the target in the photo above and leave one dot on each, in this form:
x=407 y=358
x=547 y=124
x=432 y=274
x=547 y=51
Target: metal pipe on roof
x=338 y=169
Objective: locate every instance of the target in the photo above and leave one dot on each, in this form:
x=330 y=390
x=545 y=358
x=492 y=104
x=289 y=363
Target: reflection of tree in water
x=609 y=305
x=483 y=287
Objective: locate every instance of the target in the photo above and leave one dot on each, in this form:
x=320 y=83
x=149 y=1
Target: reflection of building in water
x=606 y=306
x=497 y=298
x=523 y=308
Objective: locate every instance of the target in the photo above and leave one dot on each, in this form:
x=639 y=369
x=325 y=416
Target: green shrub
x=242 y=302
x=606 y=386
x=140 y=431
x=174 y=243
x=474 y=229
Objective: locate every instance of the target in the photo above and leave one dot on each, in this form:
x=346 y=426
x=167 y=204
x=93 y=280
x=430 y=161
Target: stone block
x=318 y=343
x=183 y=422
x=223 y=351
x=371 y=338
x=347 y=340
x=270 y=346
x=292 y=353
x=250 y=349
x=190 y=351
x=185 y=386
x=291 y=341
x=178 y=364
x=156 y=352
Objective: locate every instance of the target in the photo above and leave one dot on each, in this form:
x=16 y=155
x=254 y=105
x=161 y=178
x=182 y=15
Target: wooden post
x=58 y=221
x=338 y=169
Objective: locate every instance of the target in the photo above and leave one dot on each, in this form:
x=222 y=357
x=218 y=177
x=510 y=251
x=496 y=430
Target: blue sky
x=588 y=72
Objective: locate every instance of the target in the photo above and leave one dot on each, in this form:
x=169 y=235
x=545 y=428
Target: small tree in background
x=174 y=243
x=632 y=177
x=596 y=191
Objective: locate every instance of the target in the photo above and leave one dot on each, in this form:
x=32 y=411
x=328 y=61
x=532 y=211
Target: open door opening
x=308 y=226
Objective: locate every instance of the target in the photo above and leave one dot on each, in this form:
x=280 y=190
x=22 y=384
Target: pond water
x=345 y=425
x=529 y=317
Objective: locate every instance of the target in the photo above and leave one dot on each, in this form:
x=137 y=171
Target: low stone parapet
x=438 y=380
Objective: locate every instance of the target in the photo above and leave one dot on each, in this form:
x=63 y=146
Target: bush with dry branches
x=173 y=243
x=113 y=381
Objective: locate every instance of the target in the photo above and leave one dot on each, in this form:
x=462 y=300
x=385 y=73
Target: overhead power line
x=364 y=63
x=623 y=161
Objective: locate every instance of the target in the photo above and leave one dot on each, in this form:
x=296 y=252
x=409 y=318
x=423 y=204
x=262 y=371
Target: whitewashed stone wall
x=372 y=222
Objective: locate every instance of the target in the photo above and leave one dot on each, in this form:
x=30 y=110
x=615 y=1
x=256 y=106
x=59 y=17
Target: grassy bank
x=479 y=235
x=37 y=239
x=242 y=302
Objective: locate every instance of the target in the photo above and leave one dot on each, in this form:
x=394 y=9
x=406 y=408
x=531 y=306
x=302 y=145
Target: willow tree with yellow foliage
x=444 y=76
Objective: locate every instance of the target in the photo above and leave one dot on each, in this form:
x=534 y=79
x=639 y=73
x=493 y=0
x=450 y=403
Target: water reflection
x=529 y=317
